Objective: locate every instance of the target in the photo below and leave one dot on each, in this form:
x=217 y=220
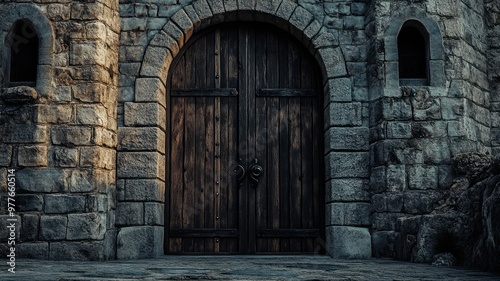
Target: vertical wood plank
x=199 y=173
x=273 y=129
x=284 y=145
x=189 y=211
x=234 y=205
x=242 y=132
x=261 y=137
x=176 y=171
x=295 y=200
x=251 y=135
x=209 y=170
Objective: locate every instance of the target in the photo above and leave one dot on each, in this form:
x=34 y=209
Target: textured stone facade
x=89 y=143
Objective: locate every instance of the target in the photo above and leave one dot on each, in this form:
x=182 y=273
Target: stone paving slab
x=237 y=268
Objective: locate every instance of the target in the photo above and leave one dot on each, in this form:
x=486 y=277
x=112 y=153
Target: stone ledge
x=19 y=95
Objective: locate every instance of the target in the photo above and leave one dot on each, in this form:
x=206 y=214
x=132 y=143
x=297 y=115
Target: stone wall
x=88 y=141
x=493 y=22
x=416 y=130
x=62 y=140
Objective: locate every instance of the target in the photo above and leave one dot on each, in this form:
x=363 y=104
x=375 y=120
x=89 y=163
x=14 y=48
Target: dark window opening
x=24 y=46
x=413 y=53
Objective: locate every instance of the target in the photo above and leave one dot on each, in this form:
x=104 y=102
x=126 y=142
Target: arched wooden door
x=245 y=152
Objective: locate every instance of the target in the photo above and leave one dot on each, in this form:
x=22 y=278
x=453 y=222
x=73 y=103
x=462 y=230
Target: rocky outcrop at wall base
x=465 y=228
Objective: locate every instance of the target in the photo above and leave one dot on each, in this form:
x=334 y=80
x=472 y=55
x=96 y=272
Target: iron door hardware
x=240 y=173
x=256 y=172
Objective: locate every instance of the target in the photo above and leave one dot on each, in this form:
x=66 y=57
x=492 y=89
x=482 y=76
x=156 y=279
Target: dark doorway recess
x=245 y=146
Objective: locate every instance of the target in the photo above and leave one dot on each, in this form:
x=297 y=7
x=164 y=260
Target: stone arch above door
x=145 y=118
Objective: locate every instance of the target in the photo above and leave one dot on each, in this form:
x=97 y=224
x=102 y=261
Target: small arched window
x=413 y=54
x=24 y=44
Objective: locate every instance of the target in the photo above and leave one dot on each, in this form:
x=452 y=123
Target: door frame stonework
x=141 y=155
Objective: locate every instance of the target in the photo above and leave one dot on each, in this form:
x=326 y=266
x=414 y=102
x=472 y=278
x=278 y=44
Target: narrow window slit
x=24 y=46
x=413 y=55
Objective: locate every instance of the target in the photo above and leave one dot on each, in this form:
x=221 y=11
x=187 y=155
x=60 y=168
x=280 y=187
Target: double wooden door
x=244 y=152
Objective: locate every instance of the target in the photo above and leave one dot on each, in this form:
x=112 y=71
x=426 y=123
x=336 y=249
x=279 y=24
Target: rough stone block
x=63 y=157
x=96 y=203
x=203 y=10
x=129 y=213
x=39 y=250
x=184 y=22
x=96 y=30
x=399 y=130
x=97 y=157
x=71 y=135
x=301 y=18
x=325 y=39
x=29 y=202
x=150 y=90
x=77 y=251
x=423 y=177
x=87 y=54
x=343 y=114
x=333 y=60
x=379 y=203
x=394 y=202
x=385 y=221
x=310 y=32
x=41 y=180
x=157 y=62
x=436 y=151
x=420 y=202
x=347 y=190
x=267 y=6
x=53 y=228
x=55 y=114
x=64 y=204
x=5 y=155
x=82 y=181
x=397 y=109
x=140 y=165
x=145 y=114
x=154 y=214
x=140 y=242
x=87 y=11
x=396 y=178
x=355 y=214
x=286 y=9
x=383 y=243
x=145 y=190
x=347 y=165
x=19 y=133
x=29 y=228
x=4 y=231
x=340 y=90
x=162 y=39
x=353 y=139
x=104 y=137
x=346 y=242
x=91 y=115
x=33 y=156
x=141 y=139
x=91 y=226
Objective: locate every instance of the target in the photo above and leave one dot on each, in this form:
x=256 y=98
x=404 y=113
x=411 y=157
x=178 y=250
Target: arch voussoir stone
x=268 y=6
x=184 y=23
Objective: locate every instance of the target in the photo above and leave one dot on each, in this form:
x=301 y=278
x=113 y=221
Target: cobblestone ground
x=237 y=268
